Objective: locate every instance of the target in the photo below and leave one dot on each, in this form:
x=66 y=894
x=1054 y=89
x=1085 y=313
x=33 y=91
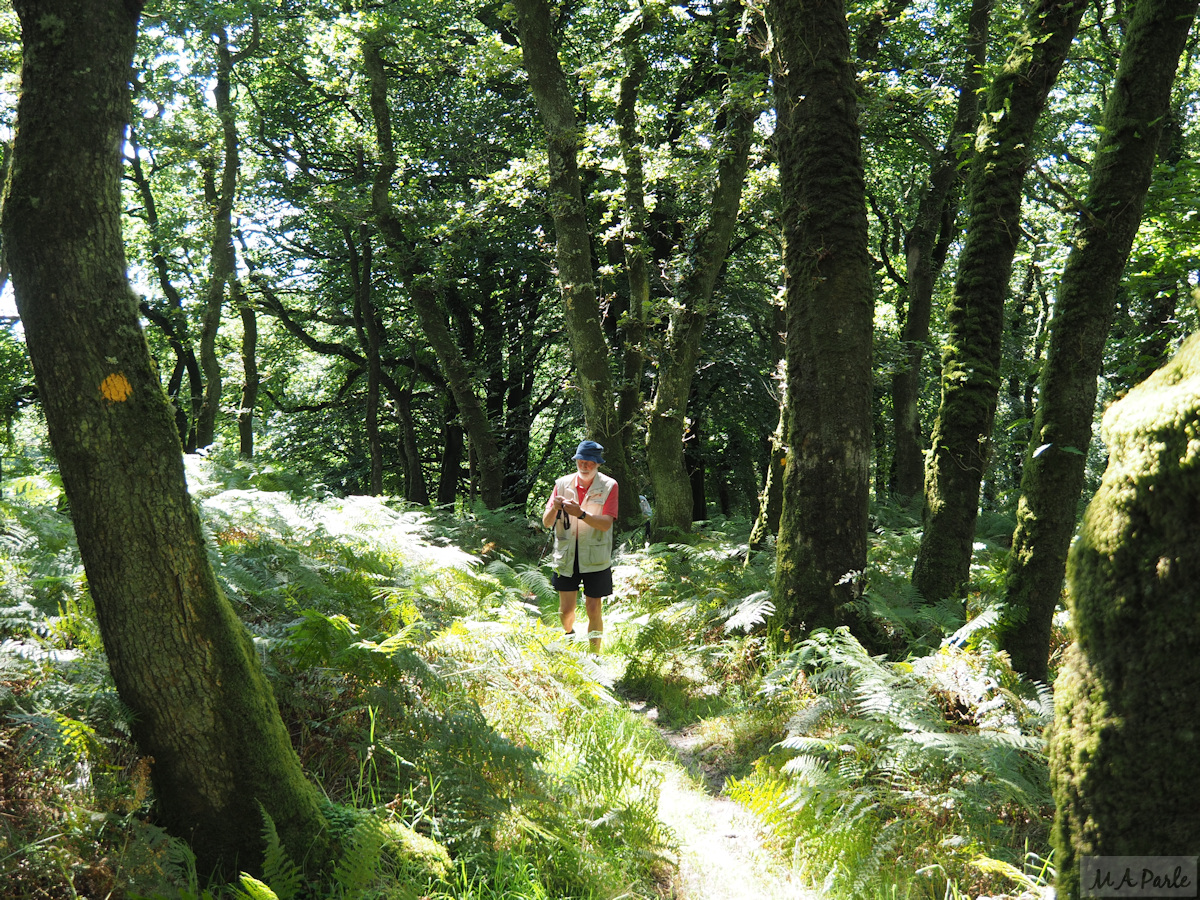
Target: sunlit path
x=721 y=856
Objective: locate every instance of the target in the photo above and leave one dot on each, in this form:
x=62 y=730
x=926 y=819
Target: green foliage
x=437 y=710
x=691 y=630
x=422 y=690
x=280 y=872
x=898 y=775
x=16 y=379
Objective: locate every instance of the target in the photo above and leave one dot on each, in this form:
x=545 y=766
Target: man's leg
x=595 y=621
x=567 y=601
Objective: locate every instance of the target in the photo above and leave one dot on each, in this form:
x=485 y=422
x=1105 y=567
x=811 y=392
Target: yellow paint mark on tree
x=116 y=388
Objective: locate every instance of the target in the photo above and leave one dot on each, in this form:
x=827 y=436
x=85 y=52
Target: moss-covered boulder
x=1125 y=746
x=420 y=857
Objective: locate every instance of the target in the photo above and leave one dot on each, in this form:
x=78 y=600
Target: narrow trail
x=721 y=852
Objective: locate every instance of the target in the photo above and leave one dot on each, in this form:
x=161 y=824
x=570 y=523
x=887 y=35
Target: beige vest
x=595 y=547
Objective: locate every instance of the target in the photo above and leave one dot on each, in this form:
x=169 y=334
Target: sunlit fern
x=893 y=759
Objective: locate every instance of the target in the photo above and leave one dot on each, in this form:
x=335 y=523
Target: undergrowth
x=467 y=751
x=425 y=697
x=918 y=775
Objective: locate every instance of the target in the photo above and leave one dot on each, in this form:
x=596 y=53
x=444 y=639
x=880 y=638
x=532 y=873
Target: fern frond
x=984 y=622
x=283 y=875
x=749 y=612
x=358 y=866
x=253 y=889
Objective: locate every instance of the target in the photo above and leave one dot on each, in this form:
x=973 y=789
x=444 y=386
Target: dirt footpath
x=721 y=854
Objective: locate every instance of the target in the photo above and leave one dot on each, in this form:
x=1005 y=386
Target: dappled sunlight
x=355 y=519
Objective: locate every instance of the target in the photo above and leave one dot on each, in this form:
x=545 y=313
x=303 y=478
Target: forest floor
x=722 y=855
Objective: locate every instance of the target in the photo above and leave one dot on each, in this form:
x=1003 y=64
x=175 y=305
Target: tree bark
x=961 y=440
x=573 y=253
x=1124 y=735
x=822 y=545
x=935 y=217
x=1053 y=472
x=250 y=377
x=220 y=196
x=480 y=433
x=673 y=501
x=203 y=710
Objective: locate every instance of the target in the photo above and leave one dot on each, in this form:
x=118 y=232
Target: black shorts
x=595 y=584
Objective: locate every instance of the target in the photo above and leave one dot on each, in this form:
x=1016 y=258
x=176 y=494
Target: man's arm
x=599 y=522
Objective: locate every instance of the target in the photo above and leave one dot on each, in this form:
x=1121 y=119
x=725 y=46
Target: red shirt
x=610 y=502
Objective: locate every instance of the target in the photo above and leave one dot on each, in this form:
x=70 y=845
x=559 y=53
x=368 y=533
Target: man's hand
x=570 y=507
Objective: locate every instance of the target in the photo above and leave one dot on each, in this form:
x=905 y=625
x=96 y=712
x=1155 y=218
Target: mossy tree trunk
x=1053 y=473
x=961 y=439
x=573 y=253
x=925 y=248
x=181 y=660
x=822 y=544
x=1124 y=743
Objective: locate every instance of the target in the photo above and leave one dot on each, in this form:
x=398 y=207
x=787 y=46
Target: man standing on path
x=581 y=510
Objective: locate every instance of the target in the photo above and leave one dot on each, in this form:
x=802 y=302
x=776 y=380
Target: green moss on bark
x=1125 y=738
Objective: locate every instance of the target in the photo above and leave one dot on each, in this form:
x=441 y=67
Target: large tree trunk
x=925 y=246
x=961 y=441
x=822 y=547
x=573 y=252
x=1124 y=742
x=1062 y=429
x=180 y=658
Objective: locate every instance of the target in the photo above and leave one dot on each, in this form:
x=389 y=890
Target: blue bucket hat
x=590 y=450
